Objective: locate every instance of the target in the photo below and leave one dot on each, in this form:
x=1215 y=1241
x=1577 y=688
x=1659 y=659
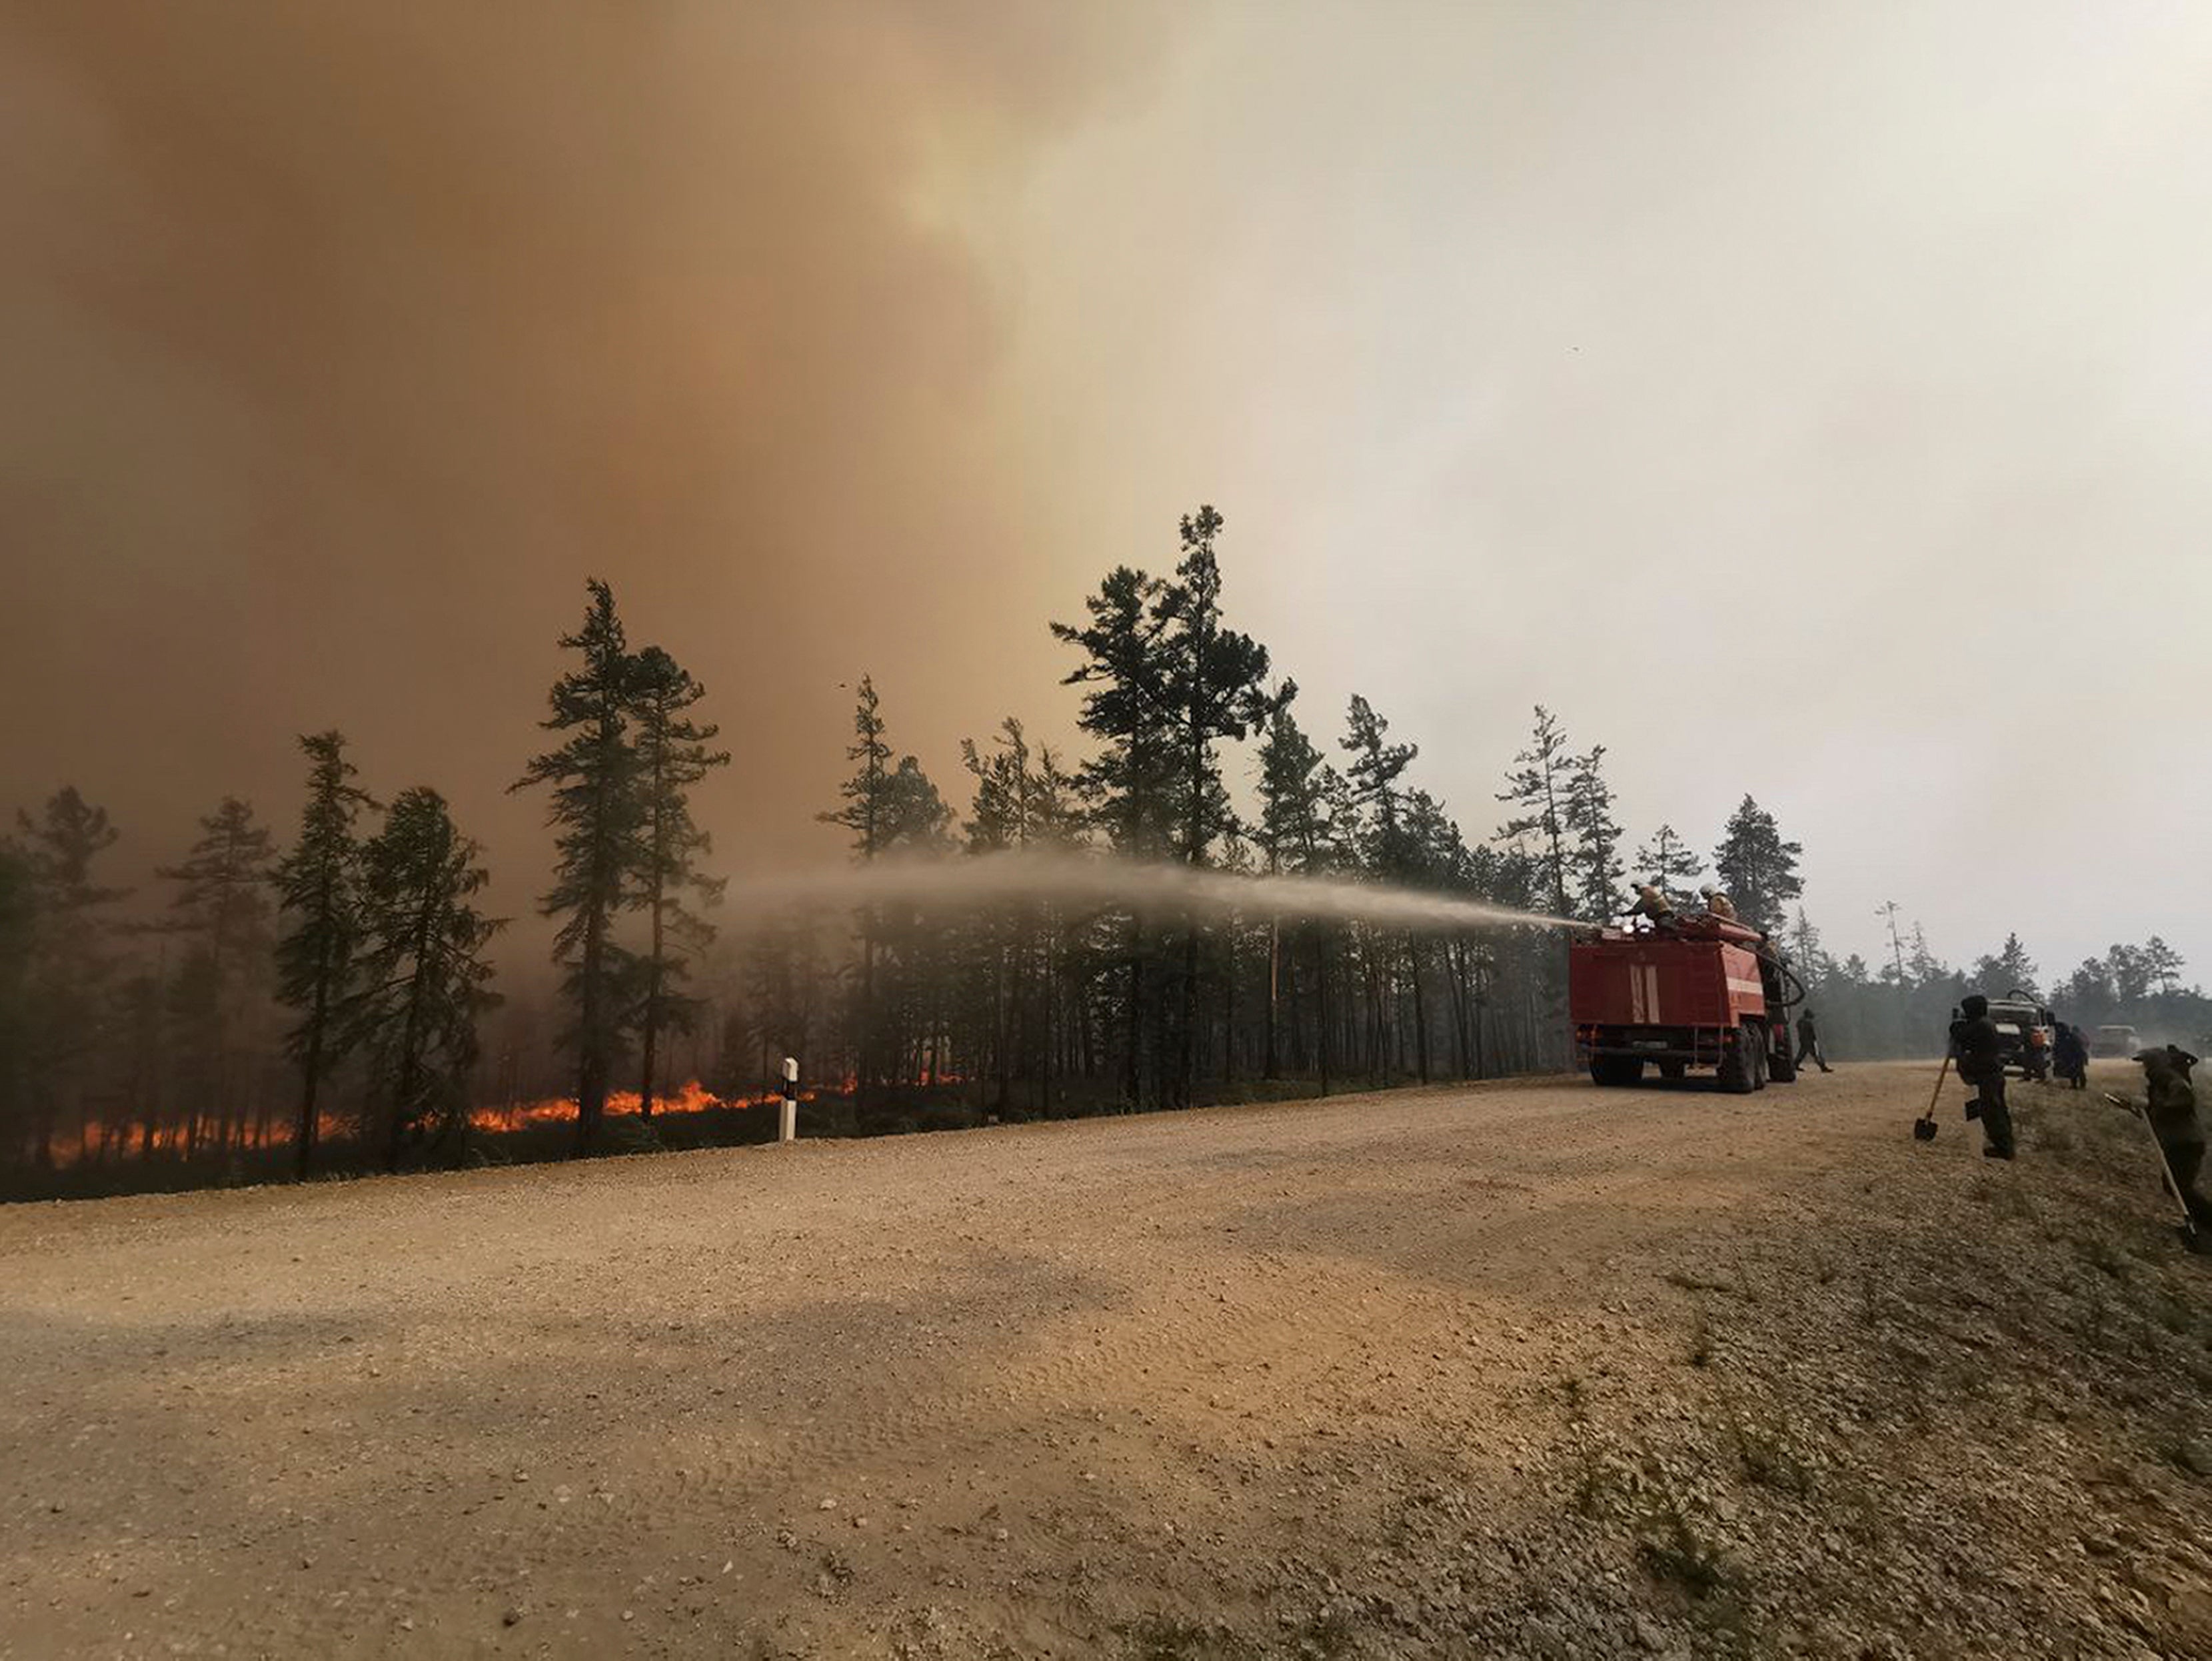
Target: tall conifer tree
x=66 y=965
x=221 y=908
x=674 y=753
x=425 y=980
x=1538 y=785
x=598 y=811
x=1756 y=867
x=319 y=889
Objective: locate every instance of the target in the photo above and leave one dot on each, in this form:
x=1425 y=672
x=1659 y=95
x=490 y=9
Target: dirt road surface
x=1527 y=1368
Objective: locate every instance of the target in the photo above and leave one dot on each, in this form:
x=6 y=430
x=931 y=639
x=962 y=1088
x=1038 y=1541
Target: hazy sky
x=1806 y=400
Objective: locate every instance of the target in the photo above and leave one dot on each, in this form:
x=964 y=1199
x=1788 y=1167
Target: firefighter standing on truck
x=1651 y=902
x=1717 y=904
x=1979 y=1051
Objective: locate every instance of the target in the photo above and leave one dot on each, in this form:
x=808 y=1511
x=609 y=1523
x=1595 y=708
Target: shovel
x=2188 y=1222
x=1923 y=1128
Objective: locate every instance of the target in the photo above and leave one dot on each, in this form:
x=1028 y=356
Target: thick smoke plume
x=345 y=339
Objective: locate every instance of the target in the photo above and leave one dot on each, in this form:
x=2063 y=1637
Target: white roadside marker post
x=787 y=1131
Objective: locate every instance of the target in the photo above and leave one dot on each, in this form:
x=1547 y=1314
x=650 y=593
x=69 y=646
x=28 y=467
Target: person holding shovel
x=1978 y=1050
x=2172 y=1101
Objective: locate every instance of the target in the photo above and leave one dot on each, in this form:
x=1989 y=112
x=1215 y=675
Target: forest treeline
x=321 y=1005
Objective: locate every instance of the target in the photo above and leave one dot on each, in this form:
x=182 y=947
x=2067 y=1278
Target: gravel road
x=1524 y=1368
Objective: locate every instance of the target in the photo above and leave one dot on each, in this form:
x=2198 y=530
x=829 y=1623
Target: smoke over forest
x=1210 y=903
x=345 y=341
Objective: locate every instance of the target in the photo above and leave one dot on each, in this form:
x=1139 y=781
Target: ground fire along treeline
x=318 y=1007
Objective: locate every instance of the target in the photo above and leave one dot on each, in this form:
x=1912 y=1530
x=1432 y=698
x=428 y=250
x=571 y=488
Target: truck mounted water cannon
x=1691 y=992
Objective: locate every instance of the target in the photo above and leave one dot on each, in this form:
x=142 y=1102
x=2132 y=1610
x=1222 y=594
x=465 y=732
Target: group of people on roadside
x=2169 y=1091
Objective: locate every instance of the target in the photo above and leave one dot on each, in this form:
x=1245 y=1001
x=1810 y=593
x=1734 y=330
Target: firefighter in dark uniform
x=2070 y=1056
x=1977 y=1049
x=1809 y=1042
x=2173 y=1103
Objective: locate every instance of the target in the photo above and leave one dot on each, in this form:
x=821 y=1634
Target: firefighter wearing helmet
x=1651 y=903
x=1717 y=904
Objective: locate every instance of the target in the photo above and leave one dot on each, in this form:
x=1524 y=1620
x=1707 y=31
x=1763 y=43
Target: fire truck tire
x=1739 y=1071
x=1784 y=1069
x=1615 y=1070
x=1760 y=1055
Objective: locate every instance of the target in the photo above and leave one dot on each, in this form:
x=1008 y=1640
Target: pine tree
x=1922 y=967
x=862 y=813
x=424 y=978
x=2162 y=964
x=221 y=907
x=1671 y=862
x=1292 y=835
x=888 y=809
x=2006 y=968
x=1538 y=785
x=1597 y=857
x=19 y=916
x=1814 y=965
x=999 y=817
x=914 y=817
x=1127 y=782
x=65 y=966
x=1757 y=868
x=599 y=811
x=1373 y=773
x=318 y=884
x=673 y=755
x=1211 y=685
x=2131 y=971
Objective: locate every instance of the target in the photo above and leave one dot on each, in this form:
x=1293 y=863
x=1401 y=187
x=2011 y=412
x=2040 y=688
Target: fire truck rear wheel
x=1615 y=1069
x=1738 y=1074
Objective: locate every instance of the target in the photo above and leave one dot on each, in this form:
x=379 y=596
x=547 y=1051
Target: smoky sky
x=1808 y=401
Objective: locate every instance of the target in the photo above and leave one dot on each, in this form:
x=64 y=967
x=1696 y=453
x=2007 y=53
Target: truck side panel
x=1661 y=983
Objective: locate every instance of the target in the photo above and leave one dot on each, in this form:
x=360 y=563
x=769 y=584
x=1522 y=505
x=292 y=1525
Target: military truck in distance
x=2113 y=1042
x=2025 y=1030
x=1692 y=992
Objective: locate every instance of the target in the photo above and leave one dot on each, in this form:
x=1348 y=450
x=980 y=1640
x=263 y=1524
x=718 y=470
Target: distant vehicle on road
x=2115 y=1041
x=2025 y=1031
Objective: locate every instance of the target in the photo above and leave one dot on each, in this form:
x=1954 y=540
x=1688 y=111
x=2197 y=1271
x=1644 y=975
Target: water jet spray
x=1145 y=887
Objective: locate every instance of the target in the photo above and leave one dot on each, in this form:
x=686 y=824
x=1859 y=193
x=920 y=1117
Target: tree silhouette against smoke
x=425 y=979
x=221 y=910
x=1757 y=869
x=54 y=915
x=674 y=753
x=599 y=808
x=945 y=998
x=319 y=889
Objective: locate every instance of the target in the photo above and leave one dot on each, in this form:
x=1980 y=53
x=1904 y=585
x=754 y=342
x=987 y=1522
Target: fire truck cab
x=1697 y=992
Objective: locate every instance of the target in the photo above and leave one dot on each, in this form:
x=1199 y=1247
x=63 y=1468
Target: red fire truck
x=1693 y=992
